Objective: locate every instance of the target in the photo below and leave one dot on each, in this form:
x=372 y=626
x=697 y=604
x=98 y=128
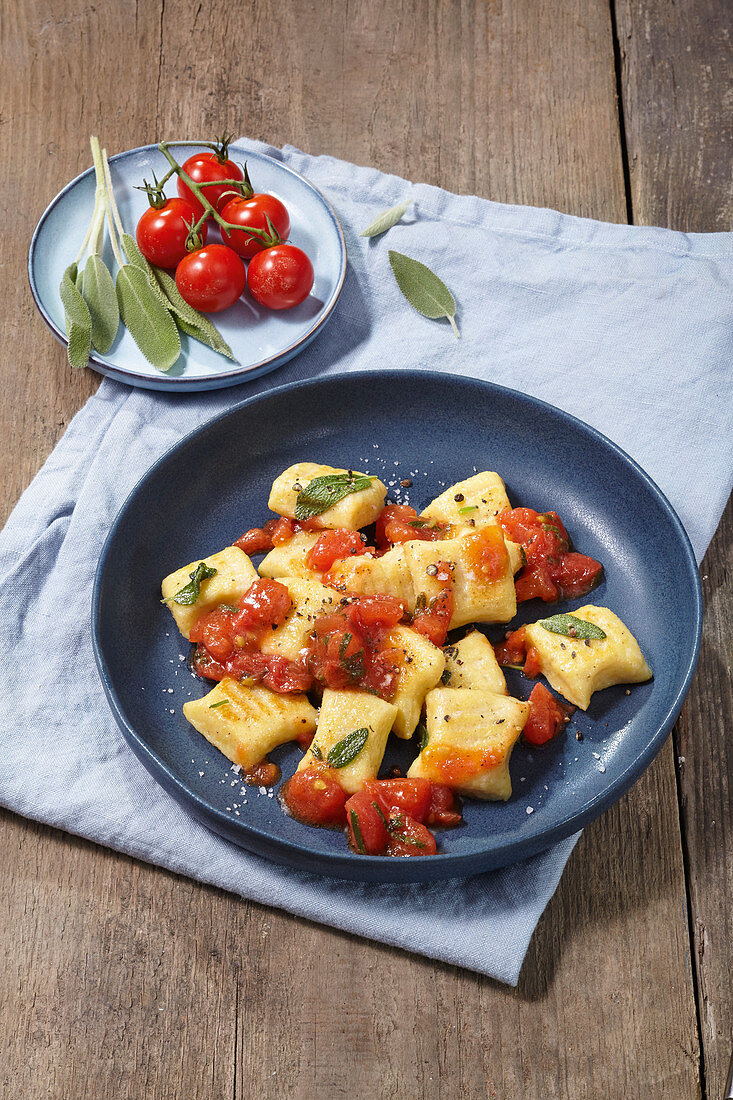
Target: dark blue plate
x=434 y=429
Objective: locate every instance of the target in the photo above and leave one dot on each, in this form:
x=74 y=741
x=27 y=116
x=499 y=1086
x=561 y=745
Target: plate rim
x=180 y=383
x=382 y=868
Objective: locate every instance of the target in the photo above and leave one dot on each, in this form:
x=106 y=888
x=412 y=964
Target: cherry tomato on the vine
x=280 y=277
x=206 y=167
x=211 y=278
x=253 y=213
x=161 y=233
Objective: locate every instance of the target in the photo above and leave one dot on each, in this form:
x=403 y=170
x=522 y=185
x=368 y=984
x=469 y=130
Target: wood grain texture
x=122 y=980
x=677 y=59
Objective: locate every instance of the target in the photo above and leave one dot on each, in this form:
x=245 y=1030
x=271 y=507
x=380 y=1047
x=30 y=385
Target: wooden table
x=119 y=979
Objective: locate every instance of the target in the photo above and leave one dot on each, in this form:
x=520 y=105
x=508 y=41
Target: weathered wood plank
x=679 y=127
x=676 y=64
x=511 y=100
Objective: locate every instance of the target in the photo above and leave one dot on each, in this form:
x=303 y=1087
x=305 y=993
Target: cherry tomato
x=443 y=809
x=252 y=213
x=161 y=234
x=211 y=278
x=203 y=168
x=280 y=277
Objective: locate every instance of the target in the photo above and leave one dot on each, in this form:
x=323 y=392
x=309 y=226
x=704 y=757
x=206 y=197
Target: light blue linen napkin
x=627 y=328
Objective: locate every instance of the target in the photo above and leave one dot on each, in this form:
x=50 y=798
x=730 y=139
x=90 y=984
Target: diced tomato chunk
x=552 y=570
x=315 y=797
x=410 y=838
x=258 y=540
x=366 y=825
x=547 y=716
x=532 y=665
x=401 y=523
x=265 y=603
x=332 y=546
x=513 y=650
x=282 y=531
x=370 y=611
x=214 y=631
x=443 y=808
x=402 y=796
x=433 y=619
x=535 y=583
x=578 y=574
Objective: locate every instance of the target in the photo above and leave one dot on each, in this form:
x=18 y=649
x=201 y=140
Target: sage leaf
x=191 y=591
x=323 y=492
x=348 y=748
x=316 y=752
x=188 y=319
x=147 y=319
x=573 y=627
x=221 y=703
x=78 y=319
x=98 y=291
x=386 y=220
x=137 y=259
x=423 y=289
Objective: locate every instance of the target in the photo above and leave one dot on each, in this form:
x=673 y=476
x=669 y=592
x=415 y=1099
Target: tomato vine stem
x=198 y=190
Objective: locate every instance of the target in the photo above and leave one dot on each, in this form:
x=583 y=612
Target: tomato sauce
x=547 y=716
x=280 y=529
x=349 y=646
x=552 y=570
x=400 y=523
x=227 y=641
x=456 y=766
x=432 y=618
x=333 y=546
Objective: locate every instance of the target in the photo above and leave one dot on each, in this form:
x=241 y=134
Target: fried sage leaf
x=386 y=220
x=573 y=627
x=191 y=591
x=147 y=318
x=322 y=492
x=78 y=319
x=423 y=289
x=348 y=748
x=98 y=291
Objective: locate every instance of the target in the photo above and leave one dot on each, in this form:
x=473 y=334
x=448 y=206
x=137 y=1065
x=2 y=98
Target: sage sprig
x=423 y=289
x=573 y=627
x=322 y=493
x=146 y=299
x=386 y=220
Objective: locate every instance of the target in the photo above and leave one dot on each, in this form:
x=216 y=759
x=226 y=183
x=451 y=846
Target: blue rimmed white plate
x=261 y=339
x=434 y=429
